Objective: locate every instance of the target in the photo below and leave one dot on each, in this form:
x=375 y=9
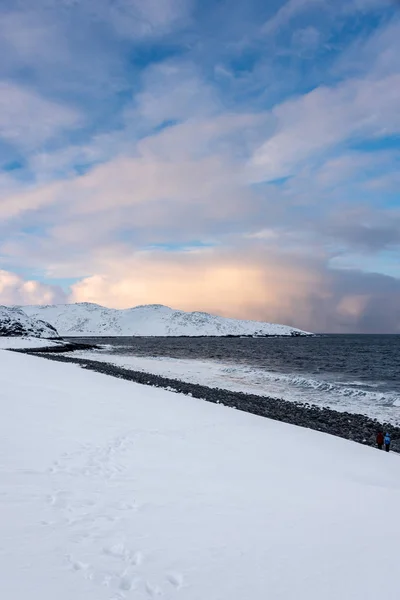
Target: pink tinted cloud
x=15 y=290
x=256 y=282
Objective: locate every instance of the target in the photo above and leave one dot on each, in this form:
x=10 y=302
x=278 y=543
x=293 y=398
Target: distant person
x=380 y=440
x=387 y=442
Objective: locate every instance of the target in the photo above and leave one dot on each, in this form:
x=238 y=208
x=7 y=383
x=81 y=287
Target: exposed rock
x=14 y=322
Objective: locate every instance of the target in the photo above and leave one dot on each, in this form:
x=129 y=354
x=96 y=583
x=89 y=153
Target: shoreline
x=351 y=426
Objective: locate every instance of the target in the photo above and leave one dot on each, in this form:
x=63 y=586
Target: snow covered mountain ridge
x=14 y=322
x=87 y=319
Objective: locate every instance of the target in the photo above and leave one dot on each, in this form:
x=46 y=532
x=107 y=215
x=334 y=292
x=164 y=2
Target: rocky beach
x=355 y=427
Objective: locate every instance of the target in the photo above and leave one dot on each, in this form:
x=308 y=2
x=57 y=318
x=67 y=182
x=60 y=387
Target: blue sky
x=239 y=158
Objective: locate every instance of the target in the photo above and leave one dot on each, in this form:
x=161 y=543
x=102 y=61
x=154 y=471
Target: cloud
x=15 y=290
x=28 y=120
x=289 y=10
x=26 y=37
x=354 y=166
x=325 y=117
x=88 y=53
x=180 y=169
x=174 y=91
x=14 y=202
x=130 y=182
x=142 y=18
x=369 y=236
x=141 y=171
x=227 y=282
x=367 y=5
x=306 y=40
x=377 y=53
x=254 y=283
x=334 y=8
x=185 y=185
x=132 y=18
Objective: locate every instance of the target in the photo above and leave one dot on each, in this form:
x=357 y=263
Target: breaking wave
x=308 y=389
x=347 y=373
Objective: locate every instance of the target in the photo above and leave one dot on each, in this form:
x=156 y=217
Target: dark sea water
x=354 y=372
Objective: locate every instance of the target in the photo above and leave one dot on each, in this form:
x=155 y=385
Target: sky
x=240 y=158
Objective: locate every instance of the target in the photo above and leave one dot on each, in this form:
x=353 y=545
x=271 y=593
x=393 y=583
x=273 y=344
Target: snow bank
x=112 y=491
x=150 y=320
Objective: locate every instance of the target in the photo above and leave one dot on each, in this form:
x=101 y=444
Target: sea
x=356 y=373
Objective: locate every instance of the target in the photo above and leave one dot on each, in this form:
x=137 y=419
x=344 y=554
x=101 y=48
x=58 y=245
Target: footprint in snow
x=118 y=550
x=77 y=565
x=127 y=583
x=124 y=506
x=153 y=590
x=137 y=559
x=59 y=499
x=175 y=579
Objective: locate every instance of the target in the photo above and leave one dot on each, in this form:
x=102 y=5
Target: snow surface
x=26 y=343
x=240 y=377
x=15 y=322
x=86 y=319
x=112 y=491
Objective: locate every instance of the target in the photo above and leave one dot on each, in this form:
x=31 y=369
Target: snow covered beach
x=348 y=425
x=237 y=376
x=112 y=490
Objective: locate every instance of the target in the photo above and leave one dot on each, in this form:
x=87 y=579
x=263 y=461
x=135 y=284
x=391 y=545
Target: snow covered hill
x=14 y=322
x=112 y=490
x=86 y=319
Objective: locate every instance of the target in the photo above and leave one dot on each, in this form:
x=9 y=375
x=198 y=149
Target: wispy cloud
x=28 y=120
x=326 y=117
x=289 y=10
x=139 y=18
x=293 y=8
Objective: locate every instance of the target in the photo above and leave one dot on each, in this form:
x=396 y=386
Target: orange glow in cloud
x=225 y=285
